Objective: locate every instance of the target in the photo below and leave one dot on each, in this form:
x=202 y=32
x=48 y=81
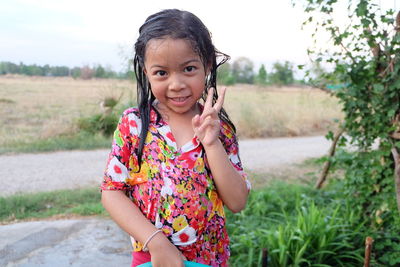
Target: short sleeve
x=122 y=160
x=228 y=137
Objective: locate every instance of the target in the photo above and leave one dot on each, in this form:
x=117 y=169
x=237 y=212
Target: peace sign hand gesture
x=207 y=125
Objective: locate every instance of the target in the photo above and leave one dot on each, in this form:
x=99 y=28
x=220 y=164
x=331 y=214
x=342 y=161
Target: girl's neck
x=170 y=116
x=179 y=124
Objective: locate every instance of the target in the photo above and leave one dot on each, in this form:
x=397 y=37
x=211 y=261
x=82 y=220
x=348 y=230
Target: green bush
x=299 y=226
x=99 y=123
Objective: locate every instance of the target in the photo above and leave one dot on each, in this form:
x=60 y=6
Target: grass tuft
x=42 y=205
x=82 y=141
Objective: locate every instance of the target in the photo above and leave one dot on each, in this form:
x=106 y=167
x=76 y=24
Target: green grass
x=298 y=225
x=81 y=141
x=82 y=202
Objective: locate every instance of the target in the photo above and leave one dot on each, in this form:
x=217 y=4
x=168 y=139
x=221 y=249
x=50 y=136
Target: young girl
x=174 y=162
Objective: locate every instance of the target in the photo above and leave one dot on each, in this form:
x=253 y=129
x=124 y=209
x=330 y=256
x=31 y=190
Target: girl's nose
x=176 y=83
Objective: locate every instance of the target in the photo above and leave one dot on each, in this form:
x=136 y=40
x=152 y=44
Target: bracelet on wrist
x=145 y=248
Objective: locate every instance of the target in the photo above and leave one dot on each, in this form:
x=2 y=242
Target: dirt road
x=98 y=241
x=75 y=169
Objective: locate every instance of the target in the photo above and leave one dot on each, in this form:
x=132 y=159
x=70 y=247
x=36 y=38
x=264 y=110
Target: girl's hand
x=164 y=253
x=207 y=125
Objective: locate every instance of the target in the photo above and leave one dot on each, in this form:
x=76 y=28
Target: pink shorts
x=140 y=257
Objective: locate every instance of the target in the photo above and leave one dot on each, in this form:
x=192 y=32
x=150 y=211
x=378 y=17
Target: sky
x=88 y=32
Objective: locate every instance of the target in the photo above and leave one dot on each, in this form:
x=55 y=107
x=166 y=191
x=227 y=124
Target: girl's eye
x=160 y=73
x=190 y=68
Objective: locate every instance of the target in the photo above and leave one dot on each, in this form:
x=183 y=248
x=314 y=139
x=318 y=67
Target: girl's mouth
x=179 y=99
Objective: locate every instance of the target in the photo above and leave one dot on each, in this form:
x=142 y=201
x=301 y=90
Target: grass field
x=38 y=109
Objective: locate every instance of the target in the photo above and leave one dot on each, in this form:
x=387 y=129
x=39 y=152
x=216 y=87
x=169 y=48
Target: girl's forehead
x=168 y=49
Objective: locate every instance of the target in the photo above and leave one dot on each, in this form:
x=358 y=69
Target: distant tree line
x=242 y=71
x=85 y=72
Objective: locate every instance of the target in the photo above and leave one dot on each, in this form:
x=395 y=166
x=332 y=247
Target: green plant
x=317 y=237
x=99 y=123
x=364 y=57
x=299 y=226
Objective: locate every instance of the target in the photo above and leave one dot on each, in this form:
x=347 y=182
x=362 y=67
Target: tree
x=365 y=54
x=99 y=72
x=59 y=71
x=225 y=75
x=76 y=72
x=242 y=70
x=87 y=72
x=9 y=67
x=282 y=74
x=261 y=77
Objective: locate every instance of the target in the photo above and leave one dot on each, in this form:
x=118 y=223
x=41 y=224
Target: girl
x=174 y=162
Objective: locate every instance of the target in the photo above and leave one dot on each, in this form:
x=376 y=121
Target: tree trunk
x=327 y=164
x=396 y=158
x=368 y=248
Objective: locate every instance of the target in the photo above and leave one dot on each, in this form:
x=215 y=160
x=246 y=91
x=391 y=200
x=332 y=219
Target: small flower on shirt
x=190 y=158
x=217 y=204
x=166 y=188
x=184 y=237
x=179 y=223
x=117 y=170
x=118 y=139
x=139 y=177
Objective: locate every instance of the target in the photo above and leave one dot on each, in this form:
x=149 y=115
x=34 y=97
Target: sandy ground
x=88 y=242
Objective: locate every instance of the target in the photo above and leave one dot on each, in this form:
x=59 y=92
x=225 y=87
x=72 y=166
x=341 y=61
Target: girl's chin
x=184 y=109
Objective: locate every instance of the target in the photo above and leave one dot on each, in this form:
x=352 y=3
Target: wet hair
x=175 y=24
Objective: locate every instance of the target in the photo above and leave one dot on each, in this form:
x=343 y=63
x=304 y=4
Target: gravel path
x=75 y=169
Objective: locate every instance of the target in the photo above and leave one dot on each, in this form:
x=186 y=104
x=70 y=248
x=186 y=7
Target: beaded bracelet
x=145 y=249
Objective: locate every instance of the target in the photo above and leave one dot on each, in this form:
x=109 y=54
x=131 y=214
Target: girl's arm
x=230 y=184
x=128 y=216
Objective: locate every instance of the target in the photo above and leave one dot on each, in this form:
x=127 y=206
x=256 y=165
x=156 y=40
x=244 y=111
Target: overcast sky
x=78 y=32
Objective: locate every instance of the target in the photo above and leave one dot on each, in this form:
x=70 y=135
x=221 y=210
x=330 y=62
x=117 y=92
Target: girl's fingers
x=218 y=104
x=208 y=112
x=220 y=100
x=208 y=103
x=208 y=122
x=208 y=108
x=196 y=121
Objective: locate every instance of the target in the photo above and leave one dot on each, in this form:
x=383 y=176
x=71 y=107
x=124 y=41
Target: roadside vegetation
x=61 y=203
x=295 y=223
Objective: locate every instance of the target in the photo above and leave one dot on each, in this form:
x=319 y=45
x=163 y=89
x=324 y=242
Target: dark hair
x=175 y=24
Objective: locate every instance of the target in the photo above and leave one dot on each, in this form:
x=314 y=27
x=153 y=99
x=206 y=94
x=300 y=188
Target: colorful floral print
x=174 y=188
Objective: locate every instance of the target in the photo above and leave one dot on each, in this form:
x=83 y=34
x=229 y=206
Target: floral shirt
x=174 y=188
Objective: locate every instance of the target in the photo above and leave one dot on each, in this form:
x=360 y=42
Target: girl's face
x=176 y=74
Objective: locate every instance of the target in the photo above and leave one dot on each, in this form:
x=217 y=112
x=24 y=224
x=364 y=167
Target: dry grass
x=37 y=107
x=33 y=108
x=273 y=112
